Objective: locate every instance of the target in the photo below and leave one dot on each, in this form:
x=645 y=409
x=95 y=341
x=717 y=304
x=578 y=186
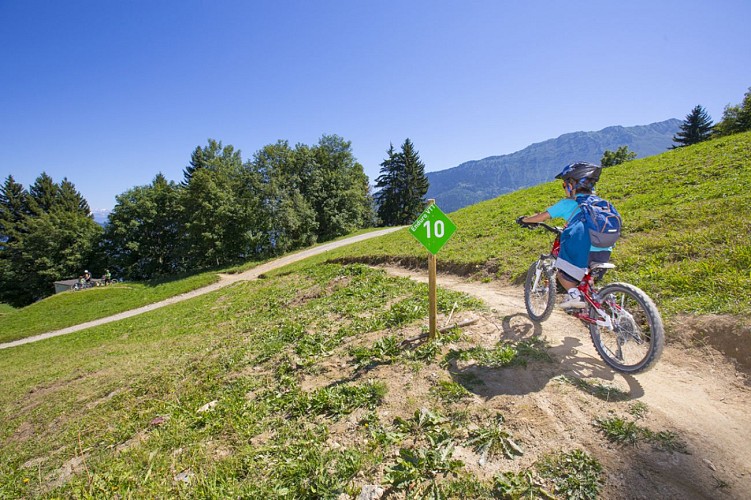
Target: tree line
x=224 y=211
x=46 y=232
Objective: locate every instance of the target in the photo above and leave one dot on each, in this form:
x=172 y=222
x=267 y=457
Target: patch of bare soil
x=726 y=334
x=697 y=394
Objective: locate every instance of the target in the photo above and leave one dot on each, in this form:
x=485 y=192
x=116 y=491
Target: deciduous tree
x=284 y=219
x=144 y=236
x=736 y=118
x=621 y=155
x=338 y=189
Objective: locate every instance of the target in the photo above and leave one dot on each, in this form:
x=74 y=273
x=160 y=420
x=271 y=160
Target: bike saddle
x=602 y=265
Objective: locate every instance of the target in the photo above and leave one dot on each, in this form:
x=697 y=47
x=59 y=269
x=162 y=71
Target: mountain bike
x=624 y=323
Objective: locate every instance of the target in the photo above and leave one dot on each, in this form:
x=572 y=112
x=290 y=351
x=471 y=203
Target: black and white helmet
x=584 y=173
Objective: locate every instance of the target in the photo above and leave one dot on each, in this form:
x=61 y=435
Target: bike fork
x=538 y=273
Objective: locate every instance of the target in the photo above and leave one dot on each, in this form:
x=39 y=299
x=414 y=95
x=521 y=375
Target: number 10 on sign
x=432 y=228
x=439 y=228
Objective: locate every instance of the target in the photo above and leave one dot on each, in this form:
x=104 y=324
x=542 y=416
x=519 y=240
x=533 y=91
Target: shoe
x=573 y=300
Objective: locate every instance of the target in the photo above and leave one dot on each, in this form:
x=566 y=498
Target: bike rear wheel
x=635 y=341
x=539 y=291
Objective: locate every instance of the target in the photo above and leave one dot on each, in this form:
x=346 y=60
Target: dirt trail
x=697 y=394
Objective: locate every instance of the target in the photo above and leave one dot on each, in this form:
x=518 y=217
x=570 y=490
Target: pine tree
x=44 y=194
x=14 y=208
x=47 y=234
x=69 y=199
x=415 y=183
x=387 y=185
x=697 y=127
x=212 y=157
x=403 y=186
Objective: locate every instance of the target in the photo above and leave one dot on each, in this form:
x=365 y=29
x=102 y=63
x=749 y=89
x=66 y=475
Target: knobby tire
x=540 y=301
x=637 y=340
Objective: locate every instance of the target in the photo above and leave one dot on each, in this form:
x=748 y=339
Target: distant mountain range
x=479 y=180
x=100 y=215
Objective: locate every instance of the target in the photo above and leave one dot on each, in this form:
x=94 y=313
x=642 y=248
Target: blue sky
x=110 y=93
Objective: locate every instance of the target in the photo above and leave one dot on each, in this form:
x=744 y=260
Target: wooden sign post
x=433 y=229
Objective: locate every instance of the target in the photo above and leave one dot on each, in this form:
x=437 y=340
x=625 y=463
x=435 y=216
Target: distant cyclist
x=107 y=277
x=577 y=252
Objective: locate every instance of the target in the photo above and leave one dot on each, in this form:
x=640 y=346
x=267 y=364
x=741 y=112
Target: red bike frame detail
x=586 y=287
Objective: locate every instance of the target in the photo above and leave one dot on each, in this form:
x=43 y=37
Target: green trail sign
x=432 y=228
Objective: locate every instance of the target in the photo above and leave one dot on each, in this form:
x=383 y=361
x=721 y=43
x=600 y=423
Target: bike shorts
x=600 y=257
x=573 y=258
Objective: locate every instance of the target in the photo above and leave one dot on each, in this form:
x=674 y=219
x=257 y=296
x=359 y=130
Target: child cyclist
x=577 y=252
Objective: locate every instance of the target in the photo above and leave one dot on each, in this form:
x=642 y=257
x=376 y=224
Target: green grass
x=621 y=431
x=574 y=474
x=76 y=307
x=687 y=217
x=119 y=403
x=450 y=392
x=503 y=354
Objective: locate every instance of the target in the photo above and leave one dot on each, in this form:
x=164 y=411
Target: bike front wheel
x=631 y=336
x=539 y=291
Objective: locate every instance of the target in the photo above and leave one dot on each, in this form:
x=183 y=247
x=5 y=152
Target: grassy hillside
x=114 y=411
x=687 y=216
x=76 y=307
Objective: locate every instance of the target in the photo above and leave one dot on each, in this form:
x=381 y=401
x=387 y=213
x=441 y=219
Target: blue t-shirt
x=567 y=209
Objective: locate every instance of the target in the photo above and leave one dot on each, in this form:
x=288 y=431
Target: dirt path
x=698 y=394
x=224 y=280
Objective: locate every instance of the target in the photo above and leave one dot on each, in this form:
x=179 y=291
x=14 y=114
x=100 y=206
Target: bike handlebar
x=552 y=229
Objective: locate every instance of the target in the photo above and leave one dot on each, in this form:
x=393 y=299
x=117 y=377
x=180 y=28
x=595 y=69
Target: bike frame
x=586 y=287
